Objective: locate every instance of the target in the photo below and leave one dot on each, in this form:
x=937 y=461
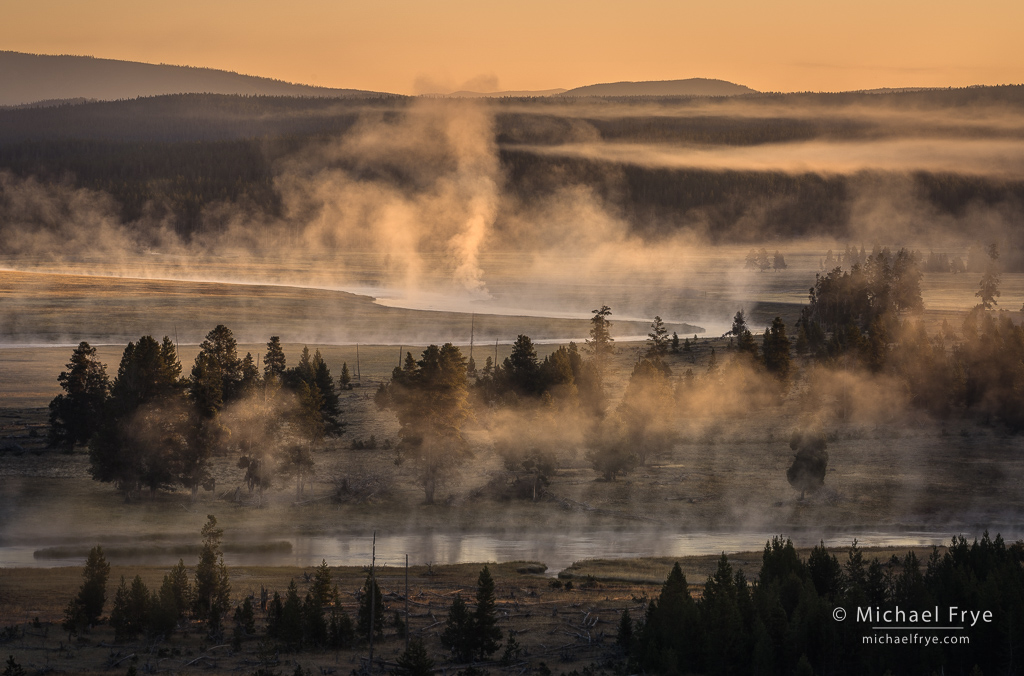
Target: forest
x=176 y=158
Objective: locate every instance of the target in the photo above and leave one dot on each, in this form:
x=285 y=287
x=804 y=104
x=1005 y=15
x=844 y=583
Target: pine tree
x=657 y=339
x=340 y=632
x=371 y=594
x=988 y=289
x=458 y=634
x=776 y=349
x=12 y=668
x=133 y=446
x=487 y=634
x=314 y=627
x=212 y=589
x=221 y=352
x=274 y=362
x=85 y=609
x=415 y=661
x=176 y=590
x=289 y=624
x=600 y=342
x=130 y=614
x=76 y=414
x=624 y=635
x=322 y=589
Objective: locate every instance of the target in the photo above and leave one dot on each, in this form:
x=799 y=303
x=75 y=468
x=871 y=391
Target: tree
x=675 y=343
x=176 y=592
x=322 y=589
x=457 y=635
x=807 y=473
x=130 y=614
x=600 y=342
x=12 y=668
x=521 y=368
x=989 y=287
x=330 y=409
x=212 y=593
x=415 y=661
x=85 y=609
x=624 y=634
x=775 y=348
x=371 y=603
x=779 y=261
x=670 y=638
x=288 y=627
x=657 y=339
x=221 y=353
x=76 y=415
x=739 y=324
x=135 y=444
x=430 y=399
x=274 y=362
x=487 y=634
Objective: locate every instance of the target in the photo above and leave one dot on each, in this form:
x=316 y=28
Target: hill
x=695 y=86
x=28 y=78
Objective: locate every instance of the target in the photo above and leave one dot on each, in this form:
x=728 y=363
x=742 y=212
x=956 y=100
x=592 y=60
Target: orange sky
x=412 y=46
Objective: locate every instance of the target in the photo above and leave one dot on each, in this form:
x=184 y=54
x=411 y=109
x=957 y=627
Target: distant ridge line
x=31 y=78
x=696 y=86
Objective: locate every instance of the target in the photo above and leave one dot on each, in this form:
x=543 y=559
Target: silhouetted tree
x=135 y=445
x=487 y=634
x=371 y=596
x=775 y=349
x=988 y=289
x=415 y=661
x=458 y=634
x=212 y=589
x=657 y=339
x=274 y=362
x=76 y=414
x=600 y=342
x=85 y=609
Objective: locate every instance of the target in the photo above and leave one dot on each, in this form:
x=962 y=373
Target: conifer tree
x=458 y=634
x=85 y=609
x=415 y=661
x=76 y=414
x=377 y=599
x=289 y=624
x=212 y=589
x=274 y=362
x=485 y=618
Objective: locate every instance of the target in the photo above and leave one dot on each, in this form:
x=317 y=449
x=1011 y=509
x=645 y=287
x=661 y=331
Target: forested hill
x=171 y=157
x=695 y=86
x=27 y=78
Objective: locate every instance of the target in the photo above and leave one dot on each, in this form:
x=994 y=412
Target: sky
x=420 y=46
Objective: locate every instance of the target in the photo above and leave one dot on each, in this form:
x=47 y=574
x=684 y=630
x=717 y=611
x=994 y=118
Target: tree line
x=169 y=158
x=154 y=428
x=784 y=623
x=288 y=622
